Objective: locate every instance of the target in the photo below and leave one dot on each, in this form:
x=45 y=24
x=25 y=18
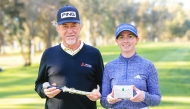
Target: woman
x=130 y=69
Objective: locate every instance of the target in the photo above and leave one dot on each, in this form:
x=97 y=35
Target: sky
x=184 y=2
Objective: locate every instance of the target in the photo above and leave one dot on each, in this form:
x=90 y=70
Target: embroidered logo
x=86 y=65
x=68 y=14
x=137 y=77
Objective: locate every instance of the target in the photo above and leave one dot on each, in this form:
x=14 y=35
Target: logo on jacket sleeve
x=86 y=65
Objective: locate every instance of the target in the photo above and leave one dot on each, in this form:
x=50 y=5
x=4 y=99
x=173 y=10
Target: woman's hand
x=111 y=99
x=139 y=96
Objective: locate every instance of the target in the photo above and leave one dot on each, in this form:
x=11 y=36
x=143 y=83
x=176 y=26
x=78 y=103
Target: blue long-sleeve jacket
x=131 y=71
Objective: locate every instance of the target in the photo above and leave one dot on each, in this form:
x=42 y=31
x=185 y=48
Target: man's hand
x=139 y=96
x=95 y=95
x=111 y=99
x=51 y=92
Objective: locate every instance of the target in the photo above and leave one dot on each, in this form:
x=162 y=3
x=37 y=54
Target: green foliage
x=187 y=25
x=172 y=61
x=177 y=30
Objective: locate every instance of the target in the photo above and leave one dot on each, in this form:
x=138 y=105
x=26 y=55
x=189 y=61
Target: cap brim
x=66 y=21
x=126 y=30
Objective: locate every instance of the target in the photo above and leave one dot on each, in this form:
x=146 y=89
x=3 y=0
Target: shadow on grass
x=18 y=81
x=24 y=106
x=174 y=82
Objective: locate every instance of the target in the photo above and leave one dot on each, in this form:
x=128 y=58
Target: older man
x=72 y=63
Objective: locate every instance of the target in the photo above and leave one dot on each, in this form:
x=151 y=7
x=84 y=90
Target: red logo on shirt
x=82 y=64
x=86 y=65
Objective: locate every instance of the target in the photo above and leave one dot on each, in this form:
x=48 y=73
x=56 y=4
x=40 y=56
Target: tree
x=176 y=25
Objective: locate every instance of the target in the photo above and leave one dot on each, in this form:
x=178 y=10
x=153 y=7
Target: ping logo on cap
x=68 y=14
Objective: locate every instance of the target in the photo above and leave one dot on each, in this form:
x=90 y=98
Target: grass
x=172 y=61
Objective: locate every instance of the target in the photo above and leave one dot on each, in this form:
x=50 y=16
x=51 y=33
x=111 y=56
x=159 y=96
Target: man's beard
x=70 y=42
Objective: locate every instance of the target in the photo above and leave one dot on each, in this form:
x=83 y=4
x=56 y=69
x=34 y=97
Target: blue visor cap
x=126 y=27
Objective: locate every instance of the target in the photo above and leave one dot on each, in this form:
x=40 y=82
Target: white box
x=123 y=91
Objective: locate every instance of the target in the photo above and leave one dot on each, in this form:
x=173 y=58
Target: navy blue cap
x=67 y=14
x=127 y=27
